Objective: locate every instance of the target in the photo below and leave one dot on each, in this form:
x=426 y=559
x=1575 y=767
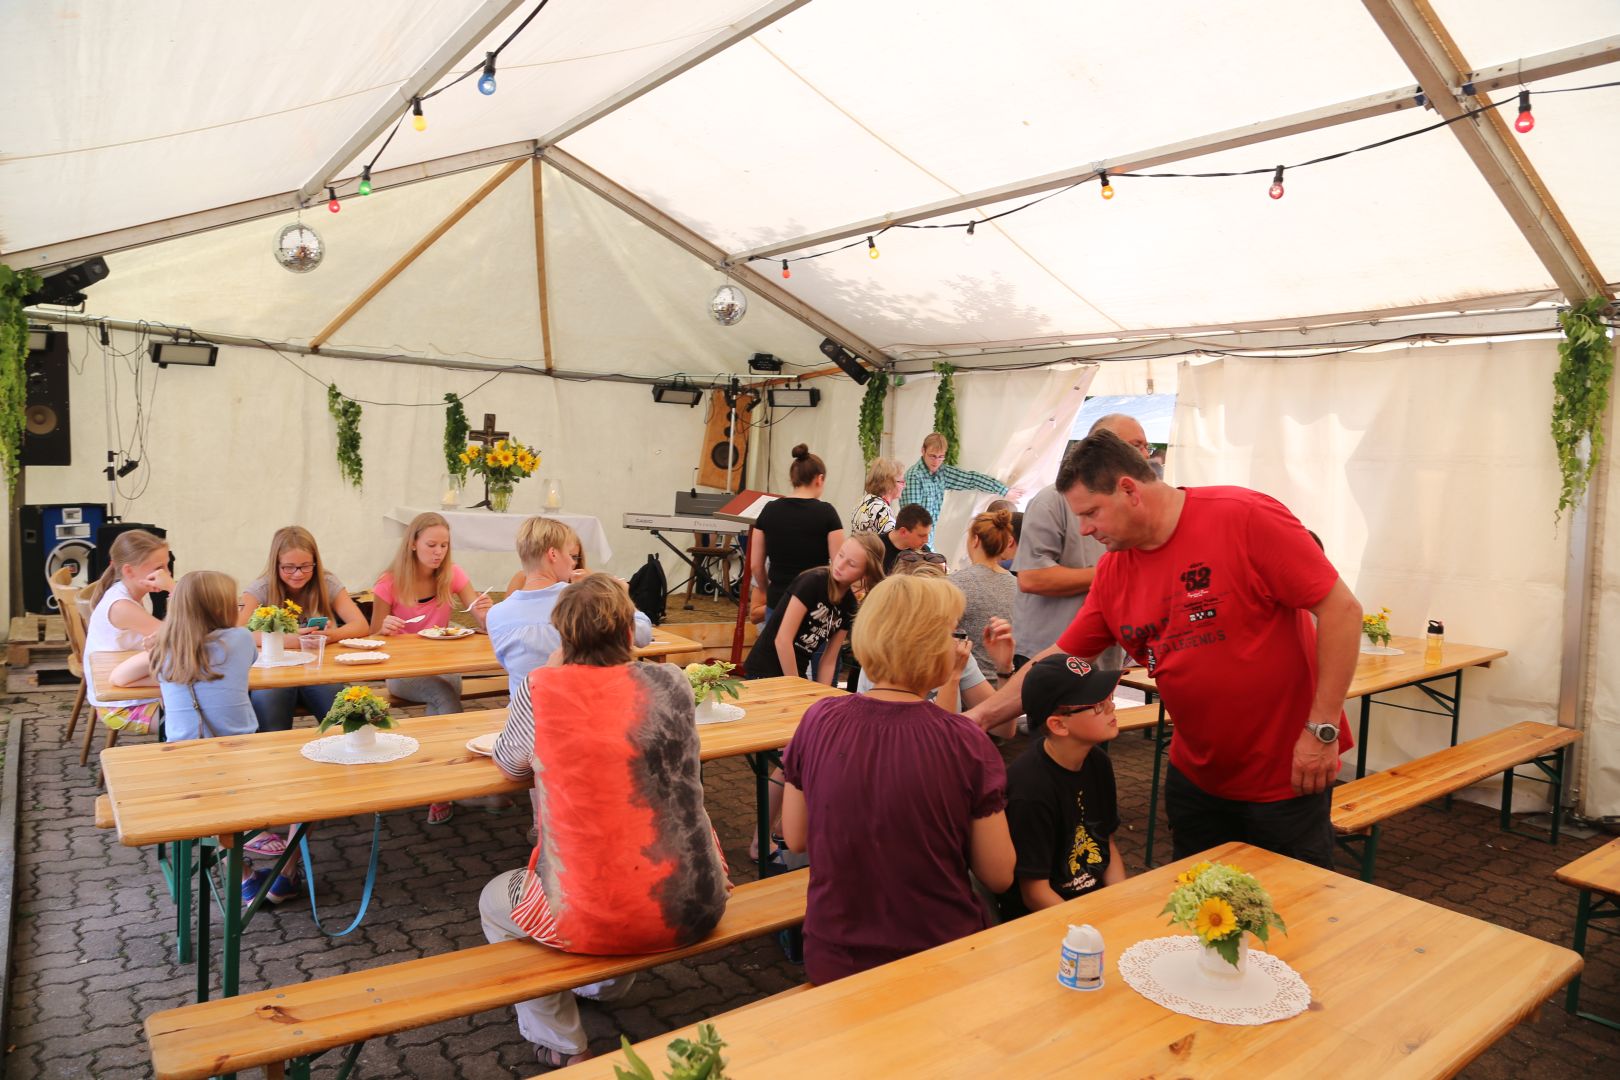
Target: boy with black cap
x=1061 y=803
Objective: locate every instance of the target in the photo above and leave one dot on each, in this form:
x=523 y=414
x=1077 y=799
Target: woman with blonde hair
x=121 y=619
x=875 y=513
x=201 y=660
x=628 y=861
x=413 y=594
x=895 y=799
x=295 y=572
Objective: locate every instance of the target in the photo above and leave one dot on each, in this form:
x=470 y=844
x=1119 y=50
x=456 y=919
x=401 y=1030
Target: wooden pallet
x=33 y=635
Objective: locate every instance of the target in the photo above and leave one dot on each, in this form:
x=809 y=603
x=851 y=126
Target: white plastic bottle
x=1080 y=961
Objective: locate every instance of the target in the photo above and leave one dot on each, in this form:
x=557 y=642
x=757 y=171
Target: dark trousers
x=1300 y=828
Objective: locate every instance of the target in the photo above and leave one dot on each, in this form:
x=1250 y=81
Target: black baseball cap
x=1058 y=680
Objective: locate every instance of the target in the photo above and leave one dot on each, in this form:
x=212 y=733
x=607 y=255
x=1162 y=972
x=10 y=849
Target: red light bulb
x=1276 y=191
x=332 y=203
x=1526 y=122
x=786 y=273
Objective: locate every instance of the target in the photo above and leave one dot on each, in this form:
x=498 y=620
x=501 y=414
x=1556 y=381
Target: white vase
x=362 y=740
x=710 y=712
x=1213 y=966
x=272 y=648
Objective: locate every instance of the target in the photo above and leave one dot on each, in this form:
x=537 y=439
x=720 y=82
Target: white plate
x=361 y=658
x=484 y=744
x=362 y=643
x=444 y=633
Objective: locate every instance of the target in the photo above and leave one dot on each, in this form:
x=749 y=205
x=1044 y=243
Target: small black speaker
x=846 y=360
x=101 y=558
x=46 y=436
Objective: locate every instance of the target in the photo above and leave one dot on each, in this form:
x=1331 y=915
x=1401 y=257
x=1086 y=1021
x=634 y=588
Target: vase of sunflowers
x=271 y=623
x=1222 y=905
x=1375 y=632
x=501 y=466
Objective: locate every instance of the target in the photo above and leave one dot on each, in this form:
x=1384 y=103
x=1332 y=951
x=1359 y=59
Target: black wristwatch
x=1327 y=733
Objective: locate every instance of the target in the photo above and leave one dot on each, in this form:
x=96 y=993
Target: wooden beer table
x=1374 y=675
x=409 y=655
x=227 y=790
x=1401 y=990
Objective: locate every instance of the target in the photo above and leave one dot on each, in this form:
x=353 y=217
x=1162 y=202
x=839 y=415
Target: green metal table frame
x=1363 y=847
x=1593 y=907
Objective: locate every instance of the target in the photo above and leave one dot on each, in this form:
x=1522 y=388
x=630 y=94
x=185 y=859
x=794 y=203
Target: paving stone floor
x=94 y=950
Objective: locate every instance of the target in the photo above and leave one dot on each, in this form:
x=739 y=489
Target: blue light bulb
x=486 y=85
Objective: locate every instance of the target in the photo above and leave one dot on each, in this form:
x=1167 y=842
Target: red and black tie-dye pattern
x=627 y=860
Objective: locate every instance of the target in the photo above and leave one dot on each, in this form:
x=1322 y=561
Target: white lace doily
x=336 y=750
x=1165 y=971
x=722 y=714
x=288 y=659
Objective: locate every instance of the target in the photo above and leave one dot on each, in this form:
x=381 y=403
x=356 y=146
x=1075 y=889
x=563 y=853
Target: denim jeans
x=274 y=708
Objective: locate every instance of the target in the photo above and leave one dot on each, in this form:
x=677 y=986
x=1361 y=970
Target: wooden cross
x=488 y=436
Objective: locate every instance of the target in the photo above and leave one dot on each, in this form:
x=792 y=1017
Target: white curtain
x=1430 y=477
x=1013 y=425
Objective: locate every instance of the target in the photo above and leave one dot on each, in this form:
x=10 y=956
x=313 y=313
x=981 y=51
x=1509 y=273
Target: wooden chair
x=713 y=559
x=67 y=599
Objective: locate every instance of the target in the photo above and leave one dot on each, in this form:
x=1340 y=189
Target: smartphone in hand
x=317 y=622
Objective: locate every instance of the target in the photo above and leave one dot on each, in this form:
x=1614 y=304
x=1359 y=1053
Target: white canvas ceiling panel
x=572 y=56
x=853 y=109
x=185 y=106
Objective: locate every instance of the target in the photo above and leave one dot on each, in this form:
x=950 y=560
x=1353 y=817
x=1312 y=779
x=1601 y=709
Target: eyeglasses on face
x=1106 y=705
x=298 y=569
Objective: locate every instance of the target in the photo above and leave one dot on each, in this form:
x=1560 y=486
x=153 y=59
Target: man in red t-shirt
x=1210 y=588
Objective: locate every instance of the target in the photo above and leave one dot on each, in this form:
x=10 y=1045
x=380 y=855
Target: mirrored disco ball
x=728 y=305
x=299 y=248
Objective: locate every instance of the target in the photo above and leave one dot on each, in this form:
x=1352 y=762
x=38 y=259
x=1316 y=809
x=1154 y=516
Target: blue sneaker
x=284 y=888
x=251 y=883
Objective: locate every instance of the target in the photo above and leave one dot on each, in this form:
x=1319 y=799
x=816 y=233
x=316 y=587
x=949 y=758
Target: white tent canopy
x=176 y=138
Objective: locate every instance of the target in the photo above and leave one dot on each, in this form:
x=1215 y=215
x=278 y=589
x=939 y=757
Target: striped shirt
x=928 y=489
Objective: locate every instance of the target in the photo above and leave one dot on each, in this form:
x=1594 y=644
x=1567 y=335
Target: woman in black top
x=795 y=533
x=816 y=612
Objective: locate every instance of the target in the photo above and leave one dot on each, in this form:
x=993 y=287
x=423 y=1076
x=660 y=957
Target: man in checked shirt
x=929 y=479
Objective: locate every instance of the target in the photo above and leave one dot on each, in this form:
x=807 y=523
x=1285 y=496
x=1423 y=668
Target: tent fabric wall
x=1430 y=478
x=1600 y=780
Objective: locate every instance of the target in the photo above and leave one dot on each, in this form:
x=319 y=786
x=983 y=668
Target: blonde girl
x=201 y=660
x=419 y=584
x=121 y=619
x=295 y=573
x=811 y=618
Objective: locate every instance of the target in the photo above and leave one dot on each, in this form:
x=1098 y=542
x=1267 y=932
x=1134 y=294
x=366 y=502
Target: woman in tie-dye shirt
x=627 y=861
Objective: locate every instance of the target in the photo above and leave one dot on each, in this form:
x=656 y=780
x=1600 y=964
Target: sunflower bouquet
x=1376 y=627
x=1219 y=902
x=502 y=465
x=276 y=620
x=356 y=707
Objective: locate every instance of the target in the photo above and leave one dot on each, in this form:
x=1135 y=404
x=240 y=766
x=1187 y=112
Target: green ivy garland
x=945 y=413
x=14 y=285
x=1580 y=396
x=346 y=411
x=455 y=437
x=871 y=425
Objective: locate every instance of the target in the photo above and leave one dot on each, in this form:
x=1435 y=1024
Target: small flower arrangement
x=503 y=462
x=713 y=681
x=1376 y=627
x=1219 y=902
x=276 y=620
x=356 y=707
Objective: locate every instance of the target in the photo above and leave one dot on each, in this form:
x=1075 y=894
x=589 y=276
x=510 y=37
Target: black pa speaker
x=846 y=361
x=46 y=435
x=102 y=556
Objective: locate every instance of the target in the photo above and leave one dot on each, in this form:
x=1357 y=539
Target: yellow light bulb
x=1108 y=191
x=871 y=248
x=419 y=122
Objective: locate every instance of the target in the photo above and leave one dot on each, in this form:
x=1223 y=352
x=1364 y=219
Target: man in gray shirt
x=1055 y=563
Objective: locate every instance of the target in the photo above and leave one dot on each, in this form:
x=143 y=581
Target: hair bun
x=1002 y=519
x=801 y=451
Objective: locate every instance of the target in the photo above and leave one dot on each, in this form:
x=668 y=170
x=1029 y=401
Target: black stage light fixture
x=764 y=361
x=677 y=393
x=845 y=360
x=185 y=353
x=66 y=287
x=796 y=397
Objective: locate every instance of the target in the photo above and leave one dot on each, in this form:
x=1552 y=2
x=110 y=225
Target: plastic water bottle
x=1437 y=638
x=1080 y=961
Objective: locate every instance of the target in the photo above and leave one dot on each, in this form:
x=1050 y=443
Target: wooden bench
x=288 y=1025
x=1360 y=806
x=1597 y=875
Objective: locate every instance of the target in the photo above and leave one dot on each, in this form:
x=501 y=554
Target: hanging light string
x=1105 y=178
x=485 y=68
